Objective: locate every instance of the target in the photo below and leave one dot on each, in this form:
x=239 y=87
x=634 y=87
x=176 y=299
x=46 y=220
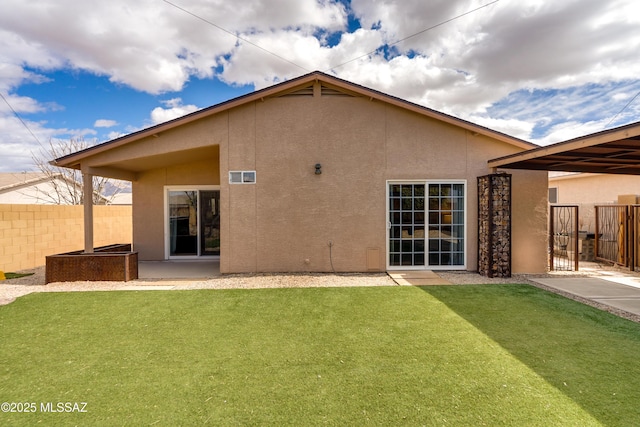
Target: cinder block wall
x=28 y=233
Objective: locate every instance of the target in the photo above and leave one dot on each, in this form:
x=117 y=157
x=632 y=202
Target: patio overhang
x=614 y=151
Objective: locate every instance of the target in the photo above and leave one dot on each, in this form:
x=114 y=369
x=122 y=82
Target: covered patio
x=614 y=151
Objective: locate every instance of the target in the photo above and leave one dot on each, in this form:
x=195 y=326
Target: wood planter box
x=109 y=263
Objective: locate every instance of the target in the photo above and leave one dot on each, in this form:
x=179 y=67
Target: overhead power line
x=235 y=35
x=15 y=113
x=336 y=66
x=415 y=34
x=623 y=108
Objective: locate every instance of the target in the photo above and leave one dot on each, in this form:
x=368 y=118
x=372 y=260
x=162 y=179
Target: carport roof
x=614 y=151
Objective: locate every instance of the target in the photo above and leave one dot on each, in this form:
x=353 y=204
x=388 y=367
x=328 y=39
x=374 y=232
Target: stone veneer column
x=494 y=225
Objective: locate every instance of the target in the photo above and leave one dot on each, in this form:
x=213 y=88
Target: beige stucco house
x=590 y=189
x=317 y=174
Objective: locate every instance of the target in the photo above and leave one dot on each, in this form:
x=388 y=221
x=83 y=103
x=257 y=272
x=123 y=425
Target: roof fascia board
x=111 y=173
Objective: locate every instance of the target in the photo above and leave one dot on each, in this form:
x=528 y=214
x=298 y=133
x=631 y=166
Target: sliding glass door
x=193 y=217
x=426 y=225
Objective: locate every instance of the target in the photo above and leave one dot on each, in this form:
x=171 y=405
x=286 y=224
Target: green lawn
x=492 y=355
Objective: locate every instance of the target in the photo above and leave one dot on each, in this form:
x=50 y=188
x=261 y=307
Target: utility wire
x=623 y=108
x=293 y=63
x=235 y=35
x=15 y=113
x=415 y=34
x=336 y=66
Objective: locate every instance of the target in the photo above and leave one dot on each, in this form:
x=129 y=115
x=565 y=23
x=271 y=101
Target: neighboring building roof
x=12 y=180
x=121 y=199
x=73 y=160
x=33 y=187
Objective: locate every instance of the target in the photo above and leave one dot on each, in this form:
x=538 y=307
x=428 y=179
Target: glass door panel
x=407 y=232
x=183 y=223
x=446 y=224
x=426 y=224
x=209 y=223
x=194 y=222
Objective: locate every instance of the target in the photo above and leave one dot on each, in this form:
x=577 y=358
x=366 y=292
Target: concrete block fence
x=29 y=233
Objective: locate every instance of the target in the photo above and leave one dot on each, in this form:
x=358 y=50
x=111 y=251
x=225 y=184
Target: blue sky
x=541 y=70
x=78 y=99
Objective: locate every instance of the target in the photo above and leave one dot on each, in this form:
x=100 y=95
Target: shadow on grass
x=590 y=355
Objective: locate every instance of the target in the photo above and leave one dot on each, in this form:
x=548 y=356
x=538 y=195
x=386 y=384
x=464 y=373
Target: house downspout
x=87 y=202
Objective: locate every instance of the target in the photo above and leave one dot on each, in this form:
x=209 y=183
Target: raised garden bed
x=108 y=263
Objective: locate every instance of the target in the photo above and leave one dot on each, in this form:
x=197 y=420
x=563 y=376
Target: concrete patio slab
x=590 y=287
x=417 y=278
x=631 y=305
x=422 y=282
x=146 y=288
x=421 y=274
x=604 y=291
x=178 y=270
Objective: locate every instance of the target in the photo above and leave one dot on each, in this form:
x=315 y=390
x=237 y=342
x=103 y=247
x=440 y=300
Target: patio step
x=417 y=278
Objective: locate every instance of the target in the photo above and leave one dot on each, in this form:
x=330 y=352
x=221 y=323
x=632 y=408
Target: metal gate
x=612 y=225
x=617 y=228
x=634 y=241
x=563 y=238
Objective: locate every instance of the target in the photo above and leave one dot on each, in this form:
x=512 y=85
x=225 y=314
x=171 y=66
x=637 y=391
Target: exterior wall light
x=318 y=168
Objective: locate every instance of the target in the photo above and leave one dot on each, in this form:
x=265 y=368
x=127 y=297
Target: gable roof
x=613 y=151
x=300 y=83
x=12 y=180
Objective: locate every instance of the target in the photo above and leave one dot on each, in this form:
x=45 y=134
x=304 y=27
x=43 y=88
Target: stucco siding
x=300 y=212
x=149 y=204
x=288 y=219
x=295 y=220
x=529 y=222
x=594 y=188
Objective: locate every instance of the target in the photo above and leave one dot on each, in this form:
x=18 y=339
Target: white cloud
x=577 y=58
x=175 y=109
x=149 y=45
x=105 y=123
x=114 y=135
x=518 y=128
x=569 y=130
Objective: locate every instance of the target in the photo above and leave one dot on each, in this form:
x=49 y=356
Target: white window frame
x=426 y=182
x=167 y=231
x=246 y=177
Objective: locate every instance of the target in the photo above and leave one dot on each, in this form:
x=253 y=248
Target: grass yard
x=509 y=355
